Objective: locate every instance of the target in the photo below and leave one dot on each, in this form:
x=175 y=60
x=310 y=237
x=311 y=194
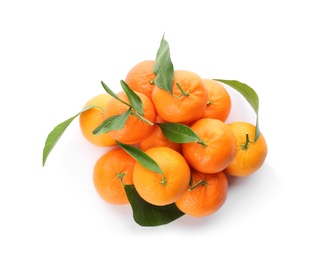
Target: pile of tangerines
x=170 y=148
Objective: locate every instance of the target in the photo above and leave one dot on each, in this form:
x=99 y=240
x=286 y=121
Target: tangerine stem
x=247 y=141
x=183 y=93
x=120 y=176
x=163 y=181
x=201 y=182
x=202 y=142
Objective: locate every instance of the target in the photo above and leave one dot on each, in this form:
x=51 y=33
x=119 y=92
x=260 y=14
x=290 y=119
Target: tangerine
x=216 y=149
x=250 y=154
x=111 y=172
x=219 y=101
x=205 y=196
x=91 y=118
x=141 y=77
x=187 y=101
x=162 y=189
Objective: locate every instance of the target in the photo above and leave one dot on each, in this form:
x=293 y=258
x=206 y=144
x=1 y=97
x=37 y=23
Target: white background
x=53 y=55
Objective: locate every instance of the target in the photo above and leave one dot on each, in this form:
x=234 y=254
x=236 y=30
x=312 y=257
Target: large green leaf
x=112 y=123
x=250 y=95
x=134 y=99
x=56 y=134
x=146 y=214
x=178 y=133
x=163 y=67
x=140 y=156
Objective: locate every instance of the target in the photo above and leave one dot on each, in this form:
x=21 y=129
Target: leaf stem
x=201 y=182
x=99 y=107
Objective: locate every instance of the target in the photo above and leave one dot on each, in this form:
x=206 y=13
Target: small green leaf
x=112 y=123
x=146 y=214
x=178 y=133
x=250 y=95
x=163 y=67
x=57 y=132
x=140 y=156
x=112 y=93
x=134 y=99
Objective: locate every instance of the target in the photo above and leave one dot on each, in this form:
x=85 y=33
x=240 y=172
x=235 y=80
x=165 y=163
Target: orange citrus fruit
x=206 y=194
x=111 y=171
x=162 y=189
x=250 y=156
x=219 y=101
x=92 y=118
x=216 y=149
x=157 y=138
x=135 y=129
x=141 y=77
x=185 y=106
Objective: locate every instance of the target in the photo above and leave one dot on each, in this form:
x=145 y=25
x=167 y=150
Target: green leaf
x=163 y=67
x=112 y=93
x=178 y=133
x=140 y=156
x=112 y=123
x=134 y=99
x=250 y=95
x=57 y=132
x=146 y=214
